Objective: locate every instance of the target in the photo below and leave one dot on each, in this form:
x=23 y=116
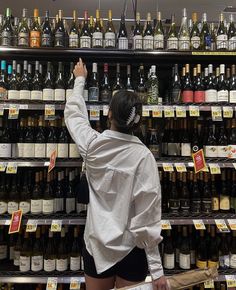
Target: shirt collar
x=121 y=136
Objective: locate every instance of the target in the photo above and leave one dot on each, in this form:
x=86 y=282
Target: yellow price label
x=199 y=224
x=51 y=284
x=168 y=167
x=11 y=168
x=94 y=113
x=157 y=112
x=215 y=168
x=13 y=111
x=228 y=112
x=2 y=166
x=145 y=111
x=216 y=113
x=56 y=225
x=230 y=281
x=209 y=284
x=49 y=111
x=74 y=284
x=221 y=225
x=194 y=111
x=169 y=112
x=31 y=226
x=232 y=224
x=180 y=112
x=180 y=167
x=165 y=225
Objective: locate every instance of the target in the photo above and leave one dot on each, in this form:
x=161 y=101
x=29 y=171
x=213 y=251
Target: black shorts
x=132 y=268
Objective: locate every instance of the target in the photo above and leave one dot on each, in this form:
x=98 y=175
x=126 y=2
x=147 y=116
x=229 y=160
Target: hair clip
x=137 y=119
x=131 y=116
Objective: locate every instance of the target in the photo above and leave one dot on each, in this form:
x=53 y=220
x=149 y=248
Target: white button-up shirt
x=125 y=194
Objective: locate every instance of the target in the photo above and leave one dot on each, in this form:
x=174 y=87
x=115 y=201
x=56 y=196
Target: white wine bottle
x=159 y=33
x=148 y=34
x=184 y=37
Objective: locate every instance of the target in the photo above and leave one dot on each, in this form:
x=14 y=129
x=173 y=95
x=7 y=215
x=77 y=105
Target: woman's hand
x=80 y=69
x=160 y=284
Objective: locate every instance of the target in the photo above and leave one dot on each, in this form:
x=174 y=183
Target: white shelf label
x=194 y=111
x=169 y=112
x=3 y=166
x=214 y=168
x=51 y=284
x=145 y=111
x=228 y=112
x=232 y=224
x=94 y=113
x=56 y=225
x=157 y=111
x=168 y=167
x=74 y=284
x=209 y=284
x=31 y=226
x=105 y=110
x=165 y=225
x=180 y=167
x=216 y=113
x=181 y=112
x=11 y=168
x=221 y=225
x=199 y=224
x=13 y=111
x=49 y=112
x=230 y=281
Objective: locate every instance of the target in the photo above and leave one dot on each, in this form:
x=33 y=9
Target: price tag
x=94 y=113
x=214 y=168
x=232 y=224
x=194 y=111
x=199 y=224
x=105 y=110
x=13 y=111
x=11 y=168
x=228 y=112
x=31 y=226
x=145 y=111
x=56 y=225
x=168 y=167
x=230 y=281
x=51 y=284
x=2 y=166
x=169 y=112
x=199 y=161
x=24 y=107
x=165 y=225
x=221 y=225
x=157 y=111
x=1 y=110
x=216 y=113
x=209 y=284
x=49 y=112
x=180 y=167
x=74 y=284
x=181 y=112
x=15 y=222
x=52 y=162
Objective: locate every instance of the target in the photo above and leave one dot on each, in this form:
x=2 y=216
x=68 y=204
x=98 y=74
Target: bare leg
x=99 y=284
x=123 y=283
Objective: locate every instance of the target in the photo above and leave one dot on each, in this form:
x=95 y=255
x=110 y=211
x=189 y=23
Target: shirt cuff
x=154 y=262
x=79 y=80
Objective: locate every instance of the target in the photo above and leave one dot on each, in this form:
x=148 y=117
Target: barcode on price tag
x=74 y=284
x=168 y=167
x=49 y=112
x=194 y=111
x=31 y=226
x=169 y=112
x=145 y=111
x=3 y=166
x=13 y=111
x=216 y=113
x=180 y=167
x=221 y=225
x=56 y=225
x=214 y=168
x=209 y=284
x=105 y=110
x=199 y=224
x=11 y=168
x=157 y=111
x=230 y=281
x=228 y=112
x=94 y=113
x=232 y=224
x=51 y=284
x=165 y=225
x=181 y=112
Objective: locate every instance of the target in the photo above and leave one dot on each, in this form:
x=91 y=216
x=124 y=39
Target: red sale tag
x=199 y=161
x=52 y=163
x=15 y=222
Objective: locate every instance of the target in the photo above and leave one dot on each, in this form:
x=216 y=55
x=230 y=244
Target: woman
x=123 y=226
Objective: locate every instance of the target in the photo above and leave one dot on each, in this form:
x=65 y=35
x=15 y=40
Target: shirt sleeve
x=76 y=118
x=146 y=221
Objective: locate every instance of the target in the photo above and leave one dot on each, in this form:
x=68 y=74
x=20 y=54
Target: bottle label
x=73 y=40
x=24 y=95
x=85 y=95
x=47 y=206
x=93 y=94
x=224 y=202
x=173 y=149
x=48 y=94
x=195 y=42
x=73 y=151
x=155 y=149
x=49 y=265
x=222 y=41
x=12 y=206
x=3 y=252
x=207 y=42
x=196 y=206
x=46 y=40
x=40 y=150
x=232 y=260
x=110 y=39
x=213 y=264
x=81 y=207
x=105 y=96
x=63 y=150
x=159 y=41
x=224 y=261
x=199 y=96
x=223 y=96
x=97 y=39
x=187 y=96
x=60 y=95
x=185 y=149
x=215 y=204
x=36 y=95
x=74 y=263
x=122 y=43
x=148 y=42
x=24 y=264
x=174 y=205
x=20 y=150
x=206 y=205
x=16 y=258
x=184 y=261
x=34 y=38
x=85 y=42
x=12 y=253
x=138 y=42
x=28 y=151
x=232 y=96
x=25 y=207
x=184 y=43
x=172 y=43
x=36 y=206
x=185 y=205
x=13 y=95
x=210 y=96
x=58 y=204
x=6 y=38
x=61 y=265
x=68 y=93
x=201 y=264
x=3 y=207
x=169 y=261
x=3 y=93
x=59 y=39
x=222 y=151
x=23 y=39
x=210 y=151
x=232 y=43
x=37 y=263
x=5 y=150
x=50 y=148
x=70 y=204
x=231 y=151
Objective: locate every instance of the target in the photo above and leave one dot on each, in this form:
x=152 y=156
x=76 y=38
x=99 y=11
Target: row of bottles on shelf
x=152 y=36
x=201 y=193
x=11 y=286
x=43 y=250
x=37 y=192
x=184 y=248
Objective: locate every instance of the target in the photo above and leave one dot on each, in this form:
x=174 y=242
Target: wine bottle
x=154 y=143
x=206 y=195
x=24 y=84
x=154 y=97
x=224 y=252
x=13 y=84
x=110 y=37
x=29 y=141
x=59 y=33
x=195 y=196
x=215 y=196
x=40 y=145
x=222 y=37
x=195 y=40
x=195 y=142
x=148 y=34
x=37 y=88
x=138 y=34
x=224 y=194
x=3 y=194
x=24 y=204
x=74 y=32
x=75 y=252
x=184 y=254
x=222 y=86
x=232 y=254
x=97 y=38
x=210 y=147
x=48 y=85
x=169 y=252
x=185 y=141
x=105 y=90
x=159 y=33
x=66 y=32
x=70 y=198
x=199 y=87
x=70 y=82
x=7 y=30
x=118 y=83
x=48 y=197
x=175 y=86
x=46 y=37
x=172 y=38
x=60 y=92
x=232 y=85
x=62 y=255
x=51 y=144
x=141 y=89
x=184 y=37
x=173 y=146
x=213 y=258
x=187 y=87
x=174 y=201
x=184 y=196
x=49 y=260
x=93 y=91
x=205 y=34
x=25 y=254
x=213 y=36
x=129 y=86
x=85 y=35
x=36 y=202
x=222 y=142
x=3 y=245
x=37 y=253
x=35 y=31
x=201 y=251
x=232 y=34
x=63 y=141
x=23 y=31
x=122 y=34
x=59 y=194
x=210 y=87
x=3 y=81
x=232 y=140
